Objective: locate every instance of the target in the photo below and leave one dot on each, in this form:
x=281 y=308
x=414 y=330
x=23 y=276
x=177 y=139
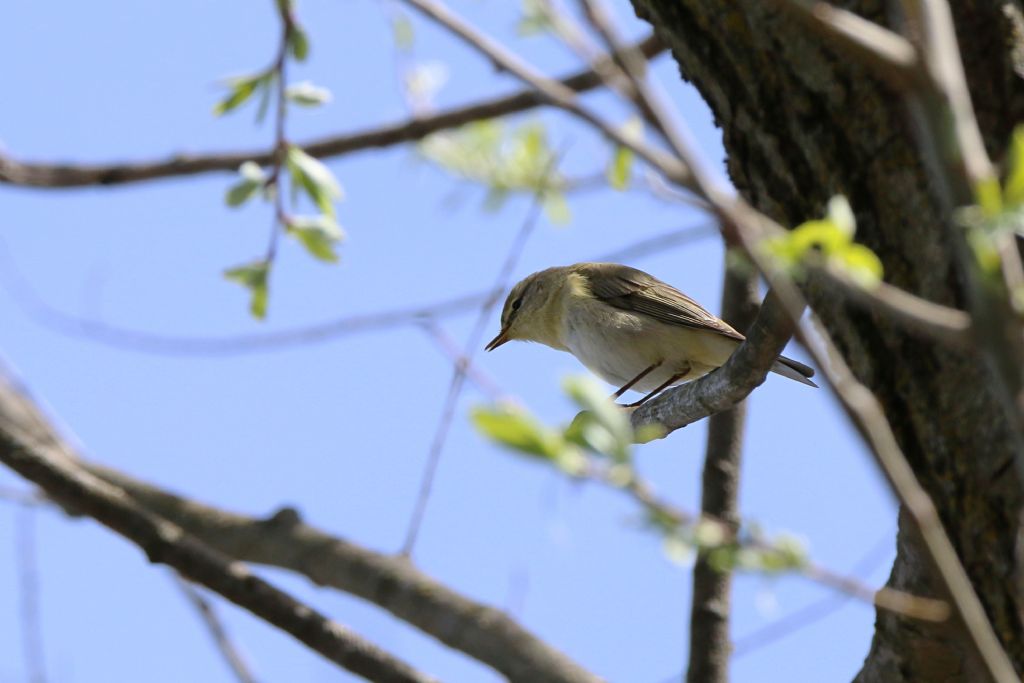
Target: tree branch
x=710 y=643
x=482 y=632
x=64 y=175
x=42 y=460
x=723 y=388
x=215 y=627
x=893 y=56
x=552 y=91
x=148 y=342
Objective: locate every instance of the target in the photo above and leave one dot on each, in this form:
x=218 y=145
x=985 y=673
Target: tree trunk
x=802 y=122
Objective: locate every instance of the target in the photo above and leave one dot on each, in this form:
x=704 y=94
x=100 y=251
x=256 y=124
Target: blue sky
x=340 y=430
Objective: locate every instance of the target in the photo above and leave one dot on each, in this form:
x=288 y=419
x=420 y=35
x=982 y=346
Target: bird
x=626 y=326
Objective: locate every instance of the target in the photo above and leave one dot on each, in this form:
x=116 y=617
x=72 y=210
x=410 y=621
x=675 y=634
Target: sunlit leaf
x=861 y=263
x=423 y=81
x=514 y=428
x=619 y=168
x=298 y=43
x=841 y=215
x=402 y=33
x=307 y=95
x=611 y=432
x=534 y=20
x=240 y=90
x=254 y=277
x=556 y=208
x=314 y=178
x=252 y=180
x=1013 y=192
x=318 y=234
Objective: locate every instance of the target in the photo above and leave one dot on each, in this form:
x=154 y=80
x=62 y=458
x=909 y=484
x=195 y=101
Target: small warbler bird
x=628 y=327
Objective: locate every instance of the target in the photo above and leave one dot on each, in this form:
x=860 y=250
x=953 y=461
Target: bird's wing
x=633 y=290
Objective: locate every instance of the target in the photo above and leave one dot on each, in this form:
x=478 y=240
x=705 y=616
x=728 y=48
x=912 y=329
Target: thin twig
x=65 y=175
x=21 y=497
x=552 y=91
x=473 y=342
x=274 y=180
x=609 y=70
x=893 y=56
x=148 y=342
x=28 y=596
x=447 y=344
x=814 y=612
x=225 y=646
x=899 y=602
x=868 y=416
x=945 y=325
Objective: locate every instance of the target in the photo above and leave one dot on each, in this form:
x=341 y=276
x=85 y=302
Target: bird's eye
x=517 y=303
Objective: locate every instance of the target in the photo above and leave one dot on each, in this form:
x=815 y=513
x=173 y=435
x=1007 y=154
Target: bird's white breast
x=618 y=345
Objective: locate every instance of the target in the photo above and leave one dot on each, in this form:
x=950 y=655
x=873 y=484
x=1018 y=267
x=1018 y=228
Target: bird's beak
x=497 y=341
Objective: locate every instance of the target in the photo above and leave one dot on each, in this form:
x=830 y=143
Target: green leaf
x=787 y=552
x=314 y=178
x=318 y=234
x=825 y=235
x=423 y=81
x=298 y=43
x=622 y=160
x=402 y=33
x=534 y=19
x=252 y=180
x=254 y=277
x=307 y=95
x=861 y=263
x=619 y=168
x=514 y=428
x=1013 y=191
x=679 y=552
x=610 y=432
x=556 y=208
x=485 y=153
x=241 y=89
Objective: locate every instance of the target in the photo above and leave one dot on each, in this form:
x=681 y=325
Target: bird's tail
x=795 y=370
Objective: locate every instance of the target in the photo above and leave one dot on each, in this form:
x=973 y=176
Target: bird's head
x=532 y=310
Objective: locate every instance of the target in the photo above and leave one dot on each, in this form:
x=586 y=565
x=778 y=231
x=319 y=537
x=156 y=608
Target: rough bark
x=802 y=122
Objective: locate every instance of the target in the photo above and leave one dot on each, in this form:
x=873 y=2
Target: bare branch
x=42 y=460
x=282 y=540
x=866 y=413
x=945 y=325
x=893 y=56
x=64 y=175
x=710 y=644
x=912 y=606
x=458 y=358
x=393 y=583
x=473 y=343
x=28 y=597
x=148 y=342
x=216 y=629
x=814 y=612
x=552 y=91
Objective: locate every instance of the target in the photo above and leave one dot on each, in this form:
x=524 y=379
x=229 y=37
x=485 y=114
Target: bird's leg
x=625 y=387
x=666 y=384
